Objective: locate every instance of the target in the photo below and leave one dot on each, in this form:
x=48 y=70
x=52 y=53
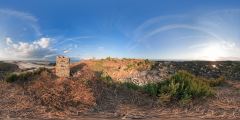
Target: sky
x=147 y=29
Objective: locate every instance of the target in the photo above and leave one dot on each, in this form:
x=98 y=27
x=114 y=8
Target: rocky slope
x=144 y=71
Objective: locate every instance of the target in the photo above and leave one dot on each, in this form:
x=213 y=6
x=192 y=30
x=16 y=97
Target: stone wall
x=62 y=66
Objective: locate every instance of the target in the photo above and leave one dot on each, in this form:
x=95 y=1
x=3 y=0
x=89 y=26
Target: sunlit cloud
x=39 y=49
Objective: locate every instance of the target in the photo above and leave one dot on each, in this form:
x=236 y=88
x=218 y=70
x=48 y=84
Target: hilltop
x=126 y=88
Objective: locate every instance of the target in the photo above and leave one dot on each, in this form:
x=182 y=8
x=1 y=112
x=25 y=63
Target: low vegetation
x=8 y=67
x=24 y=76
x=182 y=87
x=106 y=78
x=139 y=65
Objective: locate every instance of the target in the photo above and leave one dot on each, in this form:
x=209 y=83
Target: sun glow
x=212 y=52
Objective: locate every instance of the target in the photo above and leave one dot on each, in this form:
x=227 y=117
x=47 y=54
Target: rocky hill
x=144 y=71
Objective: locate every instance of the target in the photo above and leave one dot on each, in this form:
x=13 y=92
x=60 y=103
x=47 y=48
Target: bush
x=12 y=77
x=8 y=67
x=215 y=82
x=106 y=78
x=184 y=86
x=131 y=86
x=151 y=88
x=25 y=76
x=109 y=58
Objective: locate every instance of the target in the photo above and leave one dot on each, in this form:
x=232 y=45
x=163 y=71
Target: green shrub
x=151 y=88
x=108 y=58
x=106 y=78
x=8 y=67
x=131 y=86
x=215 y=82
x=12 y=77
x=24 y=76
x=184 y=87
x=129 y=66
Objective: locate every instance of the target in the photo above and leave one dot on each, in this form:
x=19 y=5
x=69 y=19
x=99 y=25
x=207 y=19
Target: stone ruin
x=62 y=66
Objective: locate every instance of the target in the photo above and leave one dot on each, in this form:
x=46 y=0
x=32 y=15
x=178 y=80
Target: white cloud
x=43 y=42
x=8 y=41
x=66 y=51
x=38 y=49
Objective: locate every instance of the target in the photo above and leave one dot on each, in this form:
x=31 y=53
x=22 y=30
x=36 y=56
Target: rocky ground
x=36 y=100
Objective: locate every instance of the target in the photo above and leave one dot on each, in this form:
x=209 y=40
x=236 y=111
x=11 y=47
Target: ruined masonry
x=62 y=66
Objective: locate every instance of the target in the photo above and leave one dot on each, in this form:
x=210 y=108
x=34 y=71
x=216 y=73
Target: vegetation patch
x=184 y=87
x=23 y=77
x=131 y=86
x=151 y=89
x=106 y=78
x=8 y=67
x=215 y=82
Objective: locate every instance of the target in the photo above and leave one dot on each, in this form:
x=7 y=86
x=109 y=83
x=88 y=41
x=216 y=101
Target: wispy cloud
x=22 y=15
x=27 y=18
x=191 y=34
x=180 y=26
x=66 y=51
x=62 y=40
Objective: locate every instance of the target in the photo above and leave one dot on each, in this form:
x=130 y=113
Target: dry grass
x=116 y=68
x=60 y=94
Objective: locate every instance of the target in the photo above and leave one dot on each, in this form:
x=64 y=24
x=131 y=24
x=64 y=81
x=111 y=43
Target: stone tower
x=62 y=66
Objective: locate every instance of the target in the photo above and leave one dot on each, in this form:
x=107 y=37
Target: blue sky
x=153 y=29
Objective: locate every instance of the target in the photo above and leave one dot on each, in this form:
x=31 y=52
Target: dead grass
x=60 y=94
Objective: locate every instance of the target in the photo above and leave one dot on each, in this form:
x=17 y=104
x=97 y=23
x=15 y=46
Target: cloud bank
x=21 y=37
x=38 y=49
